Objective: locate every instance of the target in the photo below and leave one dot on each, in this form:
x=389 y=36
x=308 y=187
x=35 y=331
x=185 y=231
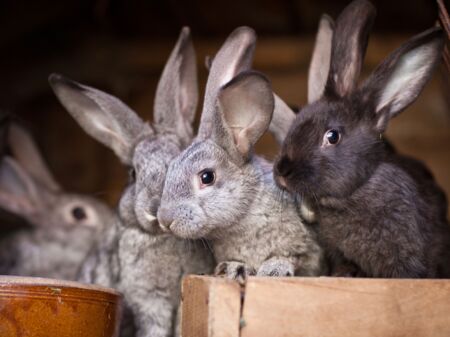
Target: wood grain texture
x=310 y=307
x=346 y=307
x=210 y=307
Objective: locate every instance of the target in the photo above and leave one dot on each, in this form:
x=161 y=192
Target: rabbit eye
x=207 y=177
x=79 y=213
x=332 y=137
x=132 y=175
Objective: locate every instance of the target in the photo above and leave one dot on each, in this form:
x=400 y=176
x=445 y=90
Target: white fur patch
x=307 y=213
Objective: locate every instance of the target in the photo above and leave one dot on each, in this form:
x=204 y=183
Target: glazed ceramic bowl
x=37 y=307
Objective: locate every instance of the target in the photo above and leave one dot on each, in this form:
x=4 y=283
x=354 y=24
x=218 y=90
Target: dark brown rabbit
x=379 y=212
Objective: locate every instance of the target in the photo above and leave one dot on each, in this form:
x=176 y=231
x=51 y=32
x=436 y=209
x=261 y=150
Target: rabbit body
x=63 y=227
x=146 y=267
x=136 y=257
x=379 y=212
x=391 y=226
x=51 y=253
x=248 y=219
x=253 y=227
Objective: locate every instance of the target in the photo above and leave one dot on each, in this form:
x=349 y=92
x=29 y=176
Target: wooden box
x=275 y=307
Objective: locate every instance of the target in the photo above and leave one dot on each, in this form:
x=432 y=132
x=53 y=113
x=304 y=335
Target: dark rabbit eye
x=332 y=137
x=207 y=177
x=132 y=175
x=79 y=213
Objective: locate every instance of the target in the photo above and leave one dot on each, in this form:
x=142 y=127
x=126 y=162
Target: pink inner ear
x=242 y=143
x=18 y=205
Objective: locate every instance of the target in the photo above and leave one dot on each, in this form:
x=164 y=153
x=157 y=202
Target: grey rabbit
x=218 y=190
x=136 y=257
x=63 y=226
x=380 y=214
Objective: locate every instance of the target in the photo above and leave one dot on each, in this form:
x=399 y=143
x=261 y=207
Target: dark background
x=121 y=47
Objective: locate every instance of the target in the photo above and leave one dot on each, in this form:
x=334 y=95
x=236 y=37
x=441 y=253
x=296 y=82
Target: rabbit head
x=28 y=189
x=146 y=149
x=335 y=142
x=207 y=186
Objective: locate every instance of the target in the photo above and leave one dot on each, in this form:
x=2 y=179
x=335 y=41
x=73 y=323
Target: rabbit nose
x=154 y=205
x=165 y=219
x=284 y=167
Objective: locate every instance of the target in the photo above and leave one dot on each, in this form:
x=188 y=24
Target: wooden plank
x=210 y=307
x=346 y=307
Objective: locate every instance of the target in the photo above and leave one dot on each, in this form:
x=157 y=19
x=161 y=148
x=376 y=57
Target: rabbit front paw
x=234 y=270
x=276 y=267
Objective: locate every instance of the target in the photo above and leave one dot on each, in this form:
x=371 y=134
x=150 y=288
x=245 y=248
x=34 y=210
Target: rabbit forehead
x=155 y=152
x=329 y=111
x=201 y=155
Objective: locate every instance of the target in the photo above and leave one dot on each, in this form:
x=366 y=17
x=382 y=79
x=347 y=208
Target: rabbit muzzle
x=165 y=219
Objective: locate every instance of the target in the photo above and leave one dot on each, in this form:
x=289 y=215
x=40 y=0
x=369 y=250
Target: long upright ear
x=26 y=153
x=400 y=78
x=235 y=56
x=245 y=107
x=102 y=116
x=18 y=192
x=282 y=119
x=348 y=48
x=320 y=60
x=177 y=93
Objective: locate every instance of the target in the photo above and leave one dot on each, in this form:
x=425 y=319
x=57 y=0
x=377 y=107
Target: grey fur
x=57 y=242
x=320 y=60
x=380 y=214
x=145 y=264
x=245 y=217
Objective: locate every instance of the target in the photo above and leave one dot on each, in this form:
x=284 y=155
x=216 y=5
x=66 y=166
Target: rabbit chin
x=189 y=230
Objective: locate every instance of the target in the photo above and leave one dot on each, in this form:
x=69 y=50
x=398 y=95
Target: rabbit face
x=330 y=150
x=80 y=211
x=334 y=144
x=206 y=193
x=210 y=186
x=147 y=149
x=141 y=200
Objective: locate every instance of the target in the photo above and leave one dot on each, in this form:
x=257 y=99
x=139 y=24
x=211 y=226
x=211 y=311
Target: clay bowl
x=37 y=307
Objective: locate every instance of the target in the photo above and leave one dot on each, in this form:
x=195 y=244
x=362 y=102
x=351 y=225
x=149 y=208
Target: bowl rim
x=9 y=280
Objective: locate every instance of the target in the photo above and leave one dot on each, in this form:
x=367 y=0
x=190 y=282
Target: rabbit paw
x=234 y=270
x=276 y=267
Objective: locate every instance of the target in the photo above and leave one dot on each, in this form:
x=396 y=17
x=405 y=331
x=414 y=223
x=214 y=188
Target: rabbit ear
x=320 y=60
x=18 y=192
x=235 y=56
x=102 y=116
x=349 y=46
x=245 y=105
x=177 y=93
x=400 y=78
x=282 y=119
x=26 y=153
x=208 y=62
